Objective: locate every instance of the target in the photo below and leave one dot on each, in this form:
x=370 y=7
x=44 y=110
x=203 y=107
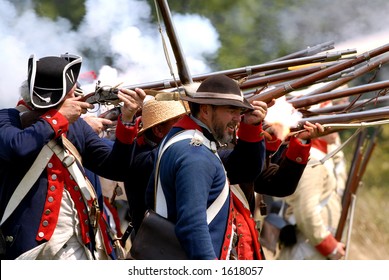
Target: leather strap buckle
x=68 y=160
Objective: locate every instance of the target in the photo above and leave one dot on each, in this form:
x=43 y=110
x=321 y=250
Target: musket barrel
x=352 y=117
x=306 y=101
x=265 y=80
x=249 y=70
x=351 y=106
x=308 y=51
x=183 y=69
x=378 y=62
x=310 y=79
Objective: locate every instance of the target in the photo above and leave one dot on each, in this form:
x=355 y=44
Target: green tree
x=73 y=10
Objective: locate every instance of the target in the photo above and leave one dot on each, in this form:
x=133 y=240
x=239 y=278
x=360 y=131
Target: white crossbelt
x=36 y=170
x=198 y=138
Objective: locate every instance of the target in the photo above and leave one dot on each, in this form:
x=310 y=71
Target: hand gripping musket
x=269 y=95
x=102 y=95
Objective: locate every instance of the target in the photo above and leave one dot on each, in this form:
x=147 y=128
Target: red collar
x=187 y=123
x=320 y=145
x=23 y=103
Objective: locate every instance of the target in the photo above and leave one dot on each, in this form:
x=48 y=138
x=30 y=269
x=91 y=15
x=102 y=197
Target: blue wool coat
x=192 y=177
x=19 y=148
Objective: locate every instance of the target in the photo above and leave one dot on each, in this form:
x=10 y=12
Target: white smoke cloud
x=121 y=32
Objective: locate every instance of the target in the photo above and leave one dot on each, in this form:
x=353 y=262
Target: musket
x=108 y=95
x=345 y=107
x=357 y=170
x=256 y=81
x=350 y=183
x=241 y=72
x=269 y=95
x=348 y=118
x=253 y=89
x=102 y=95
x=371 y=65
x=183 y=70
x=306 y=101
x=308 y=51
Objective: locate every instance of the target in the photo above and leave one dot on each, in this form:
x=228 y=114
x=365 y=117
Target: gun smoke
x=121 y=32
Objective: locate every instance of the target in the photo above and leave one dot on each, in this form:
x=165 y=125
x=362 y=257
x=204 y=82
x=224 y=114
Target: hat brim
x=143 y=129
x=219 y=102
x=50 y=97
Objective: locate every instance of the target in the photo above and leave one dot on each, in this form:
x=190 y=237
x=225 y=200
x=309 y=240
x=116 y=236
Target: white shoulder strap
x=28 y=180
x=197 y=139
x=36 y=170
x=70 y=162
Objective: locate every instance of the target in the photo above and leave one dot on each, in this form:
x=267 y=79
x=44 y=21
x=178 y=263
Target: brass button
x=9 y=238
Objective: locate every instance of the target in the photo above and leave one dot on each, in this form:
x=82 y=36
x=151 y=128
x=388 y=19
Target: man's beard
x=220 y=134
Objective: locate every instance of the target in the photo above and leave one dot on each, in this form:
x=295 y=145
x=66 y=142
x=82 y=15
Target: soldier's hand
x=311 y=131
x=132 y=102
x=257 y=115
x=71 y=108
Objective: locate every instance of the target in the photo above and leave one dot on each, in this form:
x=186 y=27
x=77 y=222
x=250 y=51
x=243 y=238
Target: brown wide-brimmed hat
x=155 y=112
x=218 y=90
x=51 y=78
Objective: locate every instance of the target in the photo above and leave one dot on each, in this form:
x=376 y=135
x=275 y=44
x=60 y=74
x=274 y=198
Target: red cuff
x=327 y=246
x=250 y=133
x=57 y=121
x=273 y=144
x=298 y=151
x=126 y=134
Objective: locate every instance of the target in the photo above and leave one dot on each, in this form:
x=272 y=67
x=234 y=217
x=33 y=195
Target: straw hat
x=155 y=112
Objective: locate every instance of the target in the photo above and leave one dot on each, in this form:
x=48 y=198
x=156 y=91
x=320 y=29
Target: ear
x=205 y=110
x=157 y=131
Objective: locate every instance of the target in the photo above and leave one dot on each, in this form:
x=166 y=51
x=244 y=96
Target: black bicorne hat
x=218 y=90
x=51 y=78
